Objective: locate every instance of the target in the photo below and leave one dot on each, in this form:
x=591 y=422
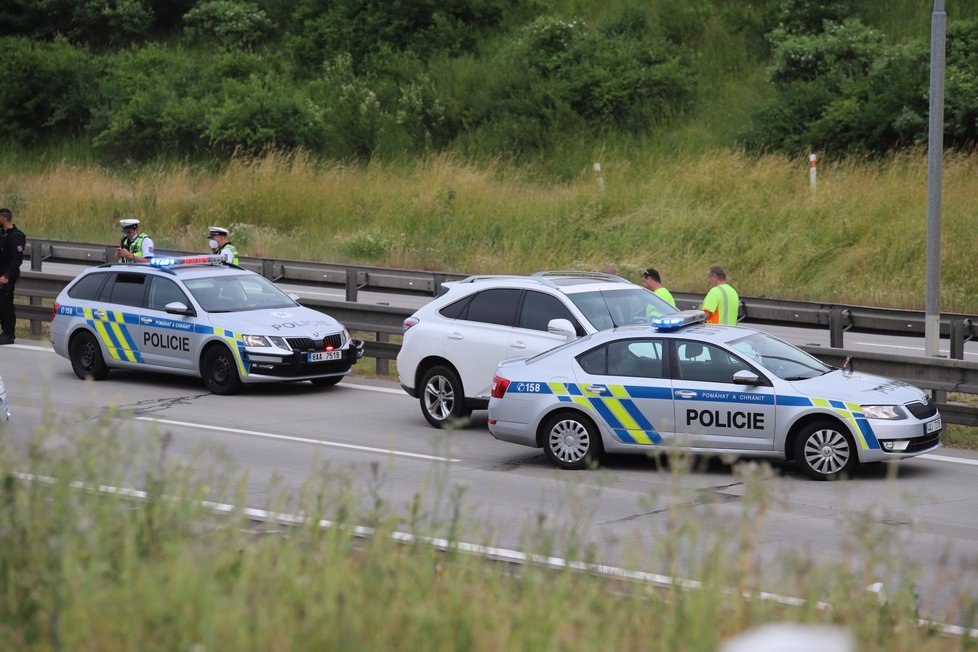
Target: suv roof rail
x=497 y=277
x=604 y=276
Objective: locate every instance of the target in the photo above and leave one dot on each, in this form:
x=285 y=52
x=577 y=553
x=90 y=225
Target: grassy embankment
x=81 y=571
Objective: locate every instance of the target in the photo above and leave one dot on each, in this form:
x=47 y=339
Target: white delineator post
x=597 y=172
x=812 y=170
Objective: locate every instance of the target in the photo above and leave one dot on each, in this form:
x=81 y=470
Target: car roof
x=183 y=270
x=568 y=282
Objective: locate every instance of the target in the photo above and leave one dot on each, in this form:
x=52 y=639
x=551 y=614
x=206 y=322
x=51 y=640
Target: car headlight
x=255 y=340
x=888 y=412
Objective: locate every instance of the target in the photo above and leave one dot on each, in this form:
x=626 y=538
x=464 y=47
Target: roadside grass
x=860 y=239
x=82 y=569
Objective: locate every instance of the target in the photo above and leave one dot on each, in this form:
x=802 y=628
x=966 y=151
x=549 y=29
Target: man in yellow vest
x=653 y=281
x=135 y=247
x=220 y=244
x=722 y=301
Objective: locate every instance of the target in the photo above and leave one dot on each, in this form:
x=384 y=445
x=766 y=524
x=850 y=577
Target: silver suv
x=452 y=345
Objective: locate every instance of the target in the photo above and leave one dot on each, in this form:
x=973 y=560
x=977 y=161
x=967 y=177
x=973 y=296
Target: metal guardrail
x=940 y=375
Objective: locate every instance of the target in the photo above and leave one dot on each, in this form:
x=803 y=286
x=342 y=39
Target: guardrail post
x=437 y=280
x=961 y=332
x=268 y=269
x=36 y=257
x=110 y=254
x=383 y=364
x=836 y=328
x=351 y=285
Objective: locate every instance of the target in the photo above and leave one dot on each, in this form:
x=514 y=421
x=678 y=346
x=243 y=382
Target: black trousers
x=8 y=318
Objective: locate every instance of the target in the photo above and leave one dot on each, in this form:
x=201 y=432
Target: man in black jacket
x=12 y=243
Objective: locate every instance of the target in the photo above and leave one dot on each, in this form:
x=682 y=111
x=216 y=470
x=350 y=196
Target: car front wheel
x=220 y=371
x=825 y=451
x=86 y=357
x=442 y=398
x=571 y=441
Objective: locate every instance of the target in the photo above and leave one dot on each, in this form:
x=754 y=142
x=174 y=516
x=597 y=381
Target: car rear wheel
x=442 y=398
x=220 y=371
x=86 y=357
x=825 y=451
x=326 y=382
x=571 y=441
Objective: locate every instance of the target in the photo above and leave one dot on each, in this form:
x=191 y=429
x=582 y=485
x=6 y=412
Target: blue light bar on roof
x=188 y=260
x=678 y=320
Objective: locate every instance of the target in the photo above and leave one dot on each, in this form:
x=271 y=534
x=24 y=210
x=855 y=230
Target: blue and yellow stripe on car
x=110 y=326
x=614 y=404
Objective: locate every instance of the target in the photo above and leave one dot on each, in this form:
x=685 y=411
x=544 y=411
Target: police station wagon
x=706 y=389
x=198 y=317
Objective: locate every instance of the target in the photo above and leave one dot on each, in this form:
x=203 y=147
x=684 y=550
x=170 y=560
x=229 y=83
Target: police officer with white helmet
x=135 y=247
x=220 y=244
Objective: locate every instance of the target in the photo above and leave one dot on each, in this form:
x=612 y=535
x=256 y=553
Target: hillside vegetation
x=463 y=135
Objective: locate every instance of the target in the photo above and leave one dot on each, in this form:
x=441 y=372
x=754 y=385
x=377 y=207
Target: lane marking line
x=945 y=458
x=299 y=440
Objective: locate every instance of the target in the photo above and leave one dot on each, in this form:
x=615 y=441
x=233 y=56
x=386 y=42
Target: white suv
x=452 y=345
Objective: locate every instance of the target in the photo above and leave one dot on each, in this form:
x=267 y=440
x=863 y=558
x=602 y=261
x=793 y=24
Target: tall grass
x=861 y=238
x=85 y=570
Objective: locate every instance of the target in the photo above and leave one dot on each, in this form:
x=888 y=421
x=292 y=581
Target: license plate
x=325 y=356
x=933 y=426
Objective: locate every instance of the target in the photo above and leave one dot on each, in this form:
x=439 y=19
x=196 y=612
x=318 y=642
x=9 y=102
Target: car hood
x=285 y=322
x=855 y=387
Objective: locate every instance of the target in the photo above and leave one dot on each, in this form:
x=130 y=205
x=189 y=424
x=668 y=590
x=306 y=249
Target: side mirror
x=178 y=308
x=744 y=377
x=562 y=327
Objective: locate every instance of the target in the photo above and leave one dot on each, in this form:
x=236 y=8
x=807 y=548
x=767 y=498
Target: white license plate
x=325 y=356
x=933 y=426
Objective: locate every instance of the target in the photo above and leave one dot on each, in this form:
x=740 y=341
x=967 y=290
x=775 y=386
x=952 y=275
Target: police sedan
x=196 y=316
x=706 y=389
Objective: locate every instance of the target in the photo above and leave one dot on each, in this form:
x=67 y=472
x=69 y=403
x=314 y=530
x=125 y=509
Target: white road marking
x=915 y=349
x=299 y=440
x=371 y=388
x=945 y=458
x=31 y=347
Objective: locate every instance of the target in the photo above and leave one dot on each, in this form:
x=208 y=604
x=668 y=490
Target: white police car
x=198 y=317
x=707 y=389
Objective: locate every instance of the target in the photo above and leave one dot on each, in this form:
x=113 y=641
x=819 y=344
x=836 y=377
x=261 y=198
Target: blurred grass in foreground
x=81 y=570
x=860 y=239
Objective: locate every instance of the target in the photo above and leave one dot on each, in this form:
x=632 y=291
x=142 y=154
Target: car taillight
x=408 y=323
x=54 y=310
x=499 y=386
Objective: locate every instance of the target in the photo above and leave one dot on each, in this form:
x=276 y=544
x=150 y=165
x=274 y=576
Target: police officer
x=220 y=244
x=135 y=247
x=12 y=243
x=722 y=301
x=653 y=281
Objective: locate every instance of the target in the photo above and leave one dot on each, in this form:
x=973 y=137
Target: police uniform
x=227 y=250
x=140 y=247
x=12 y=243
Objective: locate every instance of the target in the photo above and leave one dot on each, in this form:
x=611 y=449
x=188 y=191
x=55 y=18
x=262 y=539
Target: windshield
x=780 y=358
x=236 y=293
x=611 y=308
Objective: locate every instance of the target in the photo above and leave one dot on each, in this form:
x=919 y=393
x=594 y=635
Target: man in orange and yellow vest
x=722 y=301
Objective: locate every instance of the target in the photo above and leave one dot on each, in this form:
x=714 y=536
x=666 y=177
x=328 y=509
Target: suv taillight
x=499 y=386
x=54 y=310
x=408 y=323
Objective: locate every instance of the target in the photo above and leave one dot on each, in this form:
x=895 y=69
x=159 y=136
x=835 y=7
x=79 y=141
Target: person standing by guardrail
x=135 y=247
x=652 y=280
x=220 y=244
x=12 y=243
x=722 y=301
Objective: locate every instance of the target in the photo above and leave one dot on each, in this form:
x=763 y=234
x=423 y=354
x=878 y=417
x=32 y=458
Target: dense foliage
x=351 y=79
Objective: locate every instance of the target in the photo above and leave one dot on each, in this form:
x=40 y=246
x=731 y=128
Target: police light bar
x=678 y=320
x=188 y=260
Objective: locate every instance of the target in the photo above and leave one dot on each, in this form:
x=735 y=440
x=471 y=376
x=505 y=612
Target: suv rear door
x=530 y=336
x=479 y=337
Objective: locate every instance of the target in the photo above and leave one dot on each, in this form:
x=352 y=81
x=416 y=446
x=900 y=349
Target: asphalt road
x=922 y=518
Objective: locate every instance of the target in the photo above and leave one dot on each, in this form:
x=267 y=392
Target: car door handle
x=596 y=389
x=685 y=393
x=455 y=336
x=99 y=313
x=519 y=345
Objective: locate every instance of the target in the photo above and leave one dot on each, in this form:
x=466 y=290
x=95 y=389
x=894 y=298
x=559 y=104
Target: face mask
x=212 y=244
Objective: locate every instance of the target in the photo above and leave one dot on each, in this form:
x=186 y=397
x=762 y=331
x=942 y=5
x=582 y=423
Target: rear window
x=87 y=288
x=126 y=289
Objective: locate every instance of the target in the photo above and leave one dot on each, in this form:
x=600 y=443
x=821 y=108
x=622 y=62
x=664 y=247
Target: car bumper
x=296 y=366
x=902 y=440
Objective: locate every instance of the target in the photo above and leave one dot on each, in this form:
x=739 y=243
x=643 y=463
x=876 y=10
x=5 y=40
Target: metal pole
x=935 y=152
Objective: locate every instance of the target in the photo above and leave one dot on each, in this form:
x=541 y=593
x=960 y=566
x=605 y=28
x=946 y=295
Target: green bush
x=98 y=23
x=230 y=24
x=46 y=89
